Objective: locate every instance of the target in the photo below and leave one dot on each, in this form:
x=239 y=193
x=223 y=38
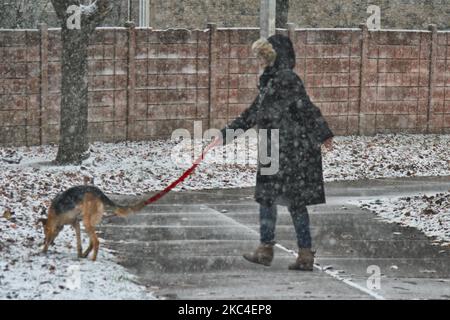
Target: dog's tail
x=123 y=211
x=119 y=210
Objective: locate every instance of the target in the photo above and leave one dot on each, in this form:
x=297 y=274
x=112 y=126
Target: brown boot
x=305 y=260
x=262 y=255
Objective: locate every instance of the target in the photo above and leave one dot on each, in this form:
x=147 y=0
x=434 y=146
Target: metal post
x=432 y=77
x=144 y=13
x=267 y=18
x=44 y=88
x=130 y=8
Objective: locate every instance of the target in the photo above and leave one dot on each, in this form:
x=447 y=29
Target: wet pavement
x=189 y=245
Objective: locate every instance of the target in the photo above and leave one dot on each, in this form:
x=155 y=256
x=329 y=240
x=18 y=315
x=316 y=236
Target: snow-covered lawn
x=26 y=274
x=386 y=156
x=430 y=214
x=136 y=168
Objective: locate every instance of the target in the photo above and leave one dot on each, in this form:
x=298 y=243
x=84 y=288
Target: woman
x=283 y=104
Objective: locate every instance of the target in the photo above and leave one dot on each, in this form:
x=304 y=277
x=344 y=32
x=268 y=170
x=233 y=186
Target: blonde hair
x=263 y=48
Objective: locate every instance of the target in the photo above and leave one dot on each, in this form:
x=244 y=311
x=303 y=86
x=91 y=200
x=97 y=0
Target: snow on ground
x=385 y=156
x=428 y=213
x=27 y=188
x=27 y=274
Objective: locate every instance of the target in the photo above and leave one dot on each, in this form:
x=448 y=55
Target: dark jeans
x=300 y=218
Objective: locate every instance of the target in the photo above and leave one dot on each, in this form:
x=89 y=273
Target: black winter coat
x=283 y=104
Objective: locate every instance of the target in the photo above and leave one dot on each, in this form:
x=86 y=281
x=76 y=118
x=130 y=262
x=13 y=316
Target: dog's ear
x=43 y=221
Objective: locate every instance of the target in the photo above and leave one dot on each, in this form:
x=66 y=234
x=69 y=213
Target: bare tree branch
x=91 y=15
x=95 y=13
x=61 y=6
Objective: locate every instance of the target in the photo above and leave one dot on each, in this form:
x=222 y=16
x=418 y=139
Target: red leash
x=183 y=177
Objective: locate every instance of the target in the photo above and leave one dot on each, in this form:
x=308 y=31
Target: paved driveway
x=189 y=245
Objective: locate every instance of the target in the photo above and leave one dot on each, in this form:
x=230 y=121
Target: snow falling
x=133 y=72
x=141 y=167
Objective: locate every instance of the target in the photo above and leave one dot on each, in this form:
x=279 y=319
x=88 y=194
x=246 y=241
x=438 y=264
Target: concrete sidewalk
x=189 y=245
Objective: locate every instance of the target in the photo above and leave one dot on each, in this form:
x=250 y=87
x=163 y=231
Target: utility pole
x=267 y=18
x=130 y=10
x=144 y=13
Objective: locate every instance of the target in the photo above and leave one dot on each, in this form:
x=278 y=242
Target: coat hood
x=285 y=52
x=285 y=58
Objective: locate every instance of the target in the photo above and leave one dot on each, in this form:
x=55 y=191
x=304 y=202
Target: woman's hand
x=328 y=144
x=218 y=141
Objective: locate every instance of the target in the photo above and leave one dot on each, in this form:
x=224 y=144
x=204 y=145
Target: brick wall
x=172 y=82
x=145 y=83
x=329 y=61
x=440 y=95
x=19 y=87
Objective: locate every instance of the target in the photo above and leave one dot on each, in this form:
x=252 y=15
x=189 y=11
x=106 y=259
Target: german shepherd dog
x=86 y=203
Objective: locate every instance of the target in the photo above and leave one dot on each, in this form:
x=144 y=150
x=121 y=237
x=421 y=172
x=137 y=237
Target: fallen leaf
x=7 y=214
x=428 y=211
